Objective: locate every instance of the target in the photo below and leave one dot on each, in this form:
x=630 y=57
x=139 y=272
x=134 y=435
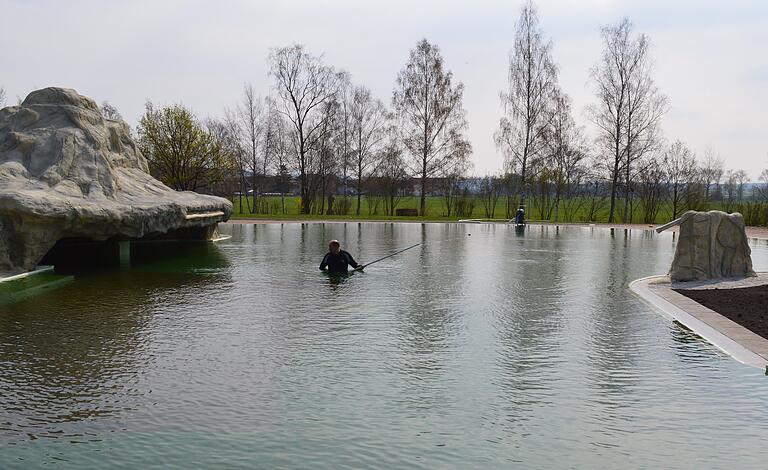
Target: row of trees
x=324 y=129
x=669 y=182
x=547 y=154
x=334 y=138
x=538 y=132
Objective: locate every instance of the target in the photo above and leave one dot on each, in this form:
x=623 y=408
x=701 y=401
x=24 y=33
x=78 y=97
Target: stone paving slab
x=730 y=337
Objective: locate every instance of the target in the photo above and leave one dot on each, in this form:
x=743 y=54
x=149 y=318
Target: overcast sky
x=711 y=57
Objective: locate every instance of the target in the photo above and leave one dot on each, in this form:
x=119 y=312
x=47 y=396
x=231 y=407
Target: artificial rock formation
x=67 y=172
x=712 y=245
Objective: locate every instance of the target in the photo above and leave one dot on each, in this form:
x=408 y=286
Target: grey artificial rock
x=711 y=245
x=66 y=171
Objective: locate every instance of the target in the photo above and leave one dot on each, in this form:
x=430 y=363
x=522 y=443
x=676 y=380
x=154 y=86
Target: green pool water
x=497 y=349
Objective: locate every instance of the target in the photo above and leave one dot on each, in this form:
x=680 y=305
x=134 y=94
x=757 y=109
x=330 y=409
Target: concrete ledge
x=205 y=215
x=728 y=336
x=39 y=270
x=26 y=285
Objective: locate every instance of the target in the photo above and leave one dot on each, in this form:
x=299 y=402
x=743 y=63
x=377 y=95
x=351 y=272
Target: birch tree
x=645 y=108
x=629 y=105
x=532 y=80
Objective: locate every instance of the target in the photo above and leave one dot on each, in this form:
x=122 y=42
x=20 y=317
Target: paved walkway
x=735 y=340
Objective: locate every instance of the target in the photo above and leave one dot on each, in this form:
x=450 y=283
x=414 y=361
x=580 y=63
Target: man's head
x=334 y=247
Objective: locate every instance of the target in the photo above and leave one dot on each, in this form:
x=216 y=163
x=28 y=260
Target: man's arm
x=351 y=260
x=324 y=263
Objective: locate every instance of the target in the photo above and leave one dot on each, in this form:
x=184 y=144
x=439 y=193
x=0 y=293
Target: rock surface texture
x=712 y=245
x=66 y=171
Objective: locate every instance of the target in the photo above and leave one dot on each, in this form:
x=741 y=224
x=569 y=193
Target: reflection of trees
x=527 y=315
x=77 y=353
x=689 y=346
x=428 y=318
x=613 y=339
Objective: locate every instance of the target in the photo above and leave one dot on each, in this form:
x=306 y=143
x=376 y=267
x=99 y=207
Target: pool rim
x=733 y=339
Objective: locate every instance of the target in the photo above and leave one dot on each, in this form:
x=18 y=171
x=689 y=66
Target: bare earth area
x=747 y=306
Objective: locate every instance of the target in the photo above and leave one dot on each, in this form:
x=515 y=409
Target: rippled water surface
x=476 y=351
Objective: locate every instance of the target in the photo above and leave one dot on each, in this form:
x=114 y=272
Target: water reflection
x=613 y=332
x=469 y=351
x=428 y=318
x=78 y=353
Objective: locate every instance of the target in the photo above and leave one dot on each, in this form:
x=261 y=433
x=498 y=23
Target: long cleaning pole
x=389 y=256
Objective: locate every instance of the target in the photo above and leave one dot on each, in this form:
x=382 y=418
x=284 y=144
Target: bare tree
x=280 y=148
x=645 y=108
x=451 y=177
x=108 y=111
x=430 y=115
x=680 y=166
x=344 y=139
x=272 y=125
x=226 y=139
x=249 y=114
x=240 y=154
x=565 y=147
x=741 y=177
x=629 y=107
x=325 y=163
x=651 y=186
x=369 y=119
x=711 y=171
x=2 y=96
x=532 y=81
x=762 y=190
x=303 y=83
x=391 y=177
x=730 y=187
x=490 y=192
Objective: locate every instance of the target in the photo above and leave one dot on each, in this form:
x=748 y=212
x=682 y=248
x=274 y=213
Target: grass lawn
x=575 y=210
x=368 y=210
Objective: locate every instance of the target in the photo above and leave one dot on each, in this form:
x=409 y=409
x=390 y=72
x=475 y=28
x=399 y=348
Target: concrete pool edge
x=15 y=277
x=733 y=339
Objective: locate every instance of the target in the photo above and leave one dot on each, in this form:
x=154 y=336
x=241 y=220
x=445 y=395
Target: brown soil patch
x=747 y=306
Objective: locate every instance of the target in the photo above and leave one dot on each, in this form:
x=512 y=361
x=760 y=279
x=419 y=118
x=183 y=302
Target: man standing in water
x=520 y=215
x=337 y=260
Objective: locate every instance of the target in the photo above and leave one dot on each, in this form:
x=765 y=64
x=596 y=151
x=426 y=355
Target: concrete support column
x=124 y=247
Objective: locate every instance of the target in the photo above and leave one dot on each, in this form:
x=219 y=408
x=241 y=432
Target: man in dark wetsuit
x=337 y=260
x=520 y=216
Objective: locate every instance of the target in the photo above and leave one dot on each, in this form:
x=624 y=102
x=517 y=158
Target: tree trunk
x=614 y=184
x=423 y=205
x=359 y=191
